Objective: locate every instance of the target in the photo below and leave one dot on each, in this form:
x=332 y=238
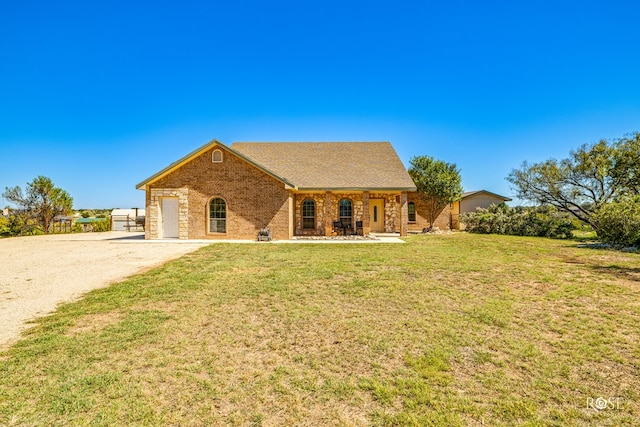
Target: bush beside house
x=543 y=221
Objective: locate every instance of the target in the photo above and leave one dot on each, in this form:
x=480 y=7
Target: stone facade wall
x=357 y=206
x=319 y=200
x=442 y=221
x=392 y=213
x=327 y=210
x=254 y=199
x=154 y=214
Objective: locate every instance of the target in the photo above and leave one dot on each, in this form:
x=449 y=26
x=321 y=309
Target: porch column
x=404 y=214
x=292 y=215
x=328 y=216
x=366 y=218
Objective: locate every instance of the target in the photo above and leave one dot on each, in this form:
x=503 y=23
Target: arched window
x=217 y=216
x=346 y=212
x=411 y=207
x=308 y=214
x=217 y=156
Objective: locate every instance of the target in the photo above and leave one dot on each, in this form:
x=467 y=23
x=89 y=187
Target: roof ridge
x=310 y=142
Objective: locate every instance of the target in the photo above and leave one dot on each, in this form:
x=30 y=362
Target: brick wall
x=254 y=199
x=442 y=221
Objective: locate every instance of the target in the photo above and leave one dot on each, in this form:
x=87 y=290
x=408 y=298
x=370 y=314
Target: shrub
x=543 y=221
x=618 y=223
x=97 y=226
x=19 y=225
x=102 y=225
x=5 y=229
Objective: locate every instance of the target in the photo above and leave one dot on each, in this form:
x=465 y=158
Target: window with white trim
x=217 y=216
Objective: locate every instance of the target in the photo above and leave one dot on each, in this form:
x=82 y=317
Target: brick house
x=293 y=189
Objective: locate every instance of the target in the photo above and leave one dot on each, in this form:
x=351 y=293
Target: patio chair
x=359 y=231
x=347 y=228
x=337 y=227
x=264 y=235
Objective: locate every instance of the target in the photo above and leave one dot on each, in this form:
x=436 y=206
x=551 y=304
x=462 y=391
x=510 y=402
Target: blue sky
x=100 y=95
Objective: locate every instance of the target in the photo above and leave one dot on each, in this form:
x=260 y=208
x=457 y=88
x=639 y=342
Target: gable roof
x=197 y=152
x=332 y=165
x=474 y=193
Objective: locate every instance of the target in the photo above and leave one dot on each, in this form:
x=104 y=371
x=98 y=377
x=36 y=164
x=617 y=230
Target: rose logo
x=601 y=403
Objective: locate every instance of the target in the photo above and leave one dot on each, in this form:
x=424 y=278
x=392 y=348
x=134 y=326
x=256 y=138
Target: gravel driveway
x=39 y=272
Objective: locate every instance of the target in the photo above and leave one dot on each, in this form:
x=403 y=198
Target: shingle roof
x=331 y=165
x=473 y=193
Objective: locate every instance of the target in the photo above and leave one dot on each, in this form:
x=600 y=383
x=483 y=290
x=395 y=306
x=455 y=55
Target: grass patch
x=444 y=330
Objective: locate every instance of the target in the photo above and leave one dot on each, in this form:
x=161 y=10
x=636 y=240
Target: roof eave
x=357 y=189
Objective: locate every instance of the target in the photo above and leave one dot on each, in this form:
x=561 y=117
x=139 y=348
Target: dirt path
x=39 y=272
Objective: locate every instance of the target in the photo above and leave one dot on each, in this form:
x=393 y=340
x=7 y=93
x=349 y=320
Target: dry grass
x=445 y=330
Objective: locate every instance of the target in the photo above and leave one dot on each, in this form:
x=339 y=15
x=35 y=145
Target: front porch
x=357 y=212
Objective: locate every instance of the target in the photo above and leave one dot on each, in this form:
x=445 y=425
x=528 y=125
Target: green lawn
x=451 y=330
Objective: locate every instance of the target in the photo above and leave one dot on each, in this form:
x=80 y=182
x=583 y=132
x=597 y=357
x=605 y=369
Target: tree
x=42 y=202
x=627 y=163
x=438 y=183
x=619 y=222
x=592 y=176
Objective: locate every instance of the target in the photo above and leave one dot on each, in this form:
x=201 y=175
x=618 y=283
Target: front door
x=376 y=215
x=169 y=218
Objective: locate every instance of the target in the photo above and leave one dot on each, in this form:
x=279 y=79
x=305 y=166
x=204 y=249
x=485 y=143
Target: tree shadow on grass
x=595 y=244
x=618 y=271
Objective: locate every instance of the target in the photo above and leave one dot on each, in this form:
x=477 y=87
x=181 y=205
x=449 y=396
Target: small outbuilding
x=61 y=224
x=470 y=201
x=127 y=219
x=87 y=223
